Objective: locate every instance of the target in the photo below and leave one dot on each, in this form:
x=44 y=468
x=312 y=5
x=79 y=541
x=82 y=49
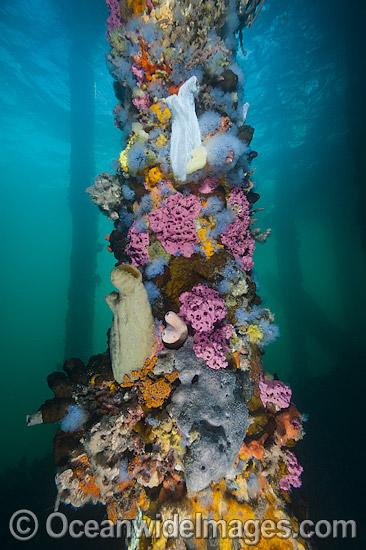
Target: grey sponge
x=209 y=408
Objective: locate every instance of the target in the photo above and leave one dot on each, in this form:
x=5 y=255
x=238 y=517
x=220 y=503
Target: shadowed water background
x=304 y=82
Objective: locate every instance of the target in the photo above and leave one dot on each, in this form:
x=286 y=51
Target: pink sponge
x=237 y=236
x=137 y=246
x=202 y=308
x=238 y=199
x=275 y=392
x=142 y=103
x=294 y=473
x=173 y=224
x=237 y=239
x=139 y=74
x=212 y=347
x=208 y=185
x=114 y=19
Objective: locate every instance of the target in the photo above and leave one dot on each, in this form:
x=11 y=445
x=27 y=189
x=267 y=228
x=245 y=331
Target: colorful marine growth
x=178 y=416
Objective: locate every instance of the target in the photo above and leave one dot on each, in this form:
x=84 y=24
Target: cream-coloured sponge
x=133 y=331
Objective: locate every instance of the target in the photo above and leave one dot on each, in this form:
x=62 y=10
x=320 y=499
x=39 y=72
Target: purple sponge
x=173 y=224
x=137 y=246
x=212 y=347
x=202 y=308
x=114 y=19
x=294 y=473
x=237 y=236
x=275 y=392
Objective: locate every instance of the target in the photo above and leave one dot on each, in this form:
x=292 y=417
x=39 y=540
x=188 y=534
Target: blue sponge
x=73 y=420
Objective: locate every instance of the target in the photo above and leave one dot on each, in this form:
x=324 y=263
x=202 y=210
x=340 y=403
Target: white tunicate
x=186 y=134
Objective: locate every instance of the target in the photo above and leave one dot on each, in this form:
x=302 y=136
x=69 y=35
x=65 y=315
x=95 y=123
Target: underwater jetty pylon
x=178 y=419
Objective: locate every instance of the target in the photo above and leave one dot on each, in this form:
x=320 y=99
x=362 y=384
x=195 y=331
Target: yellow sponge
x=198 y=160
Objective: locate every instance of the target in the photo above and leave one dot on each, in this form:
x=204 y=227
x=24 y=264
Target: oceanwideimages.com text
x=24 y=526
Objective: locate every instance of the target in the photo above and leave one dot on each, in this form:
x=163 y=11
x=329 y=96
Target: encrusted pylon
x=191 y=426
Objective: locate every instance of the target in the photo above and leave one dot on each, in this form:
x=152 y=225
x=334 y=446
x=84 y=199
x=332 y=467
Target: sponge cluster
x=173 y=224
